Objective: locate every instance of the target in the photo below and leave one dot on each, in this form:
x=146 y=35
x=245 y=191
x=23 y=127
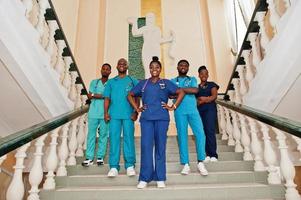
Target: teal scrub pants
x=195 y=122
x=127 y=126
x=93 y=124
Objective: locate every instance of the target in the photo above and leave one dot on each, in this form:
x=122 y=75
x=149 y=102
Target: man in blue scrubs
x=185 y=114
x=121 y=116
x=96 y=118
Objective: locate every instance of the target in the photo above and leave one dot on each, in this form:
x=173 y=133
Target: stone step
x=172 y=167
x=234 y=191
x=172 y=179
x=174 y=157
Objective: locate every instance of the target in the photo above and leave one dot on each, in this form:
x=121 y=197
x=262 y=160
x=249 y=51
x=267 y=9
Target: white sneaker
x=113 y=173
x=185 y=170
x=207 y=159
x=142 y=184
x=213 y=159
x=87 y=163
x=130 y=171
x=161 y=184
x=202 y=169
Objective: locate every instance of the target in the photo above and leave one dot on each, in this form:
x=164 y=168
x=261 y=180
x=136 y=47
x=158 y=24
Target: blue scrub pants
x=209 y=117
x=153 y=134
x=182 y=121
x=127 y=126
x=93 y=124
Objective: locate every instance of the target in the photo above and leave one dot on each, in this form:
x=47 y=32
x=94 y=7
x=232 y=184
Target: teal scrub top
x=189 y=103
x=96 y=109
x=117 y=90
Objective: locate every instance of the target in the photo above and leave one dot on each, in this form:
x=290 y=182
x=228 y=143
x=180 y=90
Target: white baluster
x=270 y=156
x=28 y=6
x=274 y=16
x=287 y=168
x=72 y=92
x=36 y=171
x=264 y=39
x=287 y=4
x=51 y=162
x=298 y=141
x=60 y=65
x=78 y=102
x=81 y=137
x=229 y=128
x=222 y=123
x=231 y=94
x=256 y=146
x=236 y=132
x=52 y=24
x=249 y=67
x=237 y=97
x=86 y=131
x=15 y=189
x=255 y=51
x=245 y=138
x=72 y=142
x=67 y=76
x=43 y=5
x=63 y=151
x=242 y=80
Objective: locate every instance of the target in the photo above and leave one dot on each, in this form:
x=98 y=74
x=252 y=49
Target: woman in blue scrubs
x=207 y=108
x=154 y=122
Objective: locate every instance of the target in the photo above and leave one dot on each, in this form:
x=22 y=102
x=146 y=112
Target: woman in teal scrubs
x=154 y=122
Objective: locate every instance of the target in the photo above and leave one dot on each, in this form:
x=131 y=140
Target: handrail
x=282 y=123
x=52 y=15
x=260 y=6
x=15 y=140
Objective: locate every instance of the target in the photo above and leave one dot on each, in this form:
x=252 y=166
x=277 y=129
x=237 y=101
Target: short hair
x=202 y=68
x=106 y=64
x=184 y=61
x=155 y=59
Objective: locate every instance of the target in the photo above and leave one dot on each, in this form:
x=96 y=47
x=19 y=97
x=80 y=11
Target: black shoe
x=100 y=161
x=87 y=163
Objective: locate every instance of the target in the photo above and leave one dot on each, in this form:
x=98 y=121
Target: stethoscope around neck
x=162 y=84
x=186 y=83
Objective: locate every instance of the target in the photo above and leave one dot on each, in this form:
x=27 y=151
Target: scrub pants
x=182 y=121
x=153 y=134
x=116 y=126
x=93 y=124
x=209 y=117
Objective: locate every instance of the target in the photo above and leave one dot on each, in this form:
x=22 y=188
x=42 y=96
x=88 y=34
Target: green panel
x=135 y=48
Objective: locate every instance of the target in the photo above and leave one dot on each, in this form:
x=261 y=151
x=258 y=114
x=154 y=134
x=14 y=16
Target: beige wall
x=67 y=10
x=221 y=43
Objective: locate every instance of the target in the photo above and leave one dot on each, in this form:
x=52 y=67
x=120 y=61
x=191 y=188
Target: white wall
x=183 y=17
x=117 y=28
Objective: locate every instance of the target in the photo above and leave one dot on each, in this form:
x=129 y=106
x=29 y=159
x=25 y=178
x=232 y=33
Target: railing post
x=63 y=151
x=72 y=142
x=28 y=6
x=287 y=168
x=67 y=76
x=36 y=171
x=59 y=66
x=51 y=162
x=81 y=137
x=255 y=51
x=237 y=97
x=242 y=80
x=245 y=138
x=229 y=128
x=269 y=156
x=52 y=28
x=274 y=16
x=15 y=189
x=72 y=92
x=222 y=123
x=43 y=5
x=264 y=39
x=249 y=67
x=256 y=146
x=298 y=141
x=236 y=132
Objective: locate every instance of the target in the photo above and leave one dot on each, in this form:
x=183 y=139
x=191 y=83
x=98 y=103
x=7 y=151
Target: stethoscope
x=129 y=86
x=186 y=83
x=104 y=84
x=162 y=87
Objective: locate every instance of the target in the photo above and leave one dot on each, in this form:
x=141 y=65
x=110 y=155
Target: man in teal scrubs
x=185 y=114
x=96 y=118
x=121 y=116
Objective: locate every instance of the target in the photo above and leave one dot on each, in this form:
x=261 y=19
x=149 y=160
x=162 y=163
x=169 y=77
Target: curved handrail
x=261 y=6
x=282 y=123
x=52 y=15
x=15 y=140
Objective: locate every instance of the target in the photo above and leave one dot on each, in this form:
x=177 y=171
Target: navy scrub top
x=205 y=91
x=153 y=94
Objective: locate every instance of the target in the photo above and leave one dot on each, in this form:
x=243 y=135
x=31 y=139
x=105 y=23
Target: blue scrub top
x=152 y=95
x=188 y=104
x=96 y=109
x=205 y=91
x=117 y=90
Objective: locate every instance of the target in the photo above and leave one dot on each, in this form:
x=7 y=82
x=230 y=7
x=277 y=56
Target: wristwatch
x=92 y=95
